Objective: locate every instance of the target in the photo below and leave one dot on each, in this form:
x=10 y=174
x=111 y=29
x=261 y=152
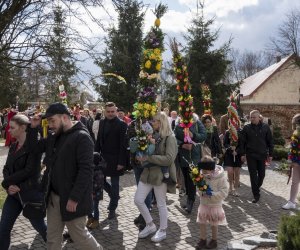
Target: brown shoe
x=89 y=221
x=212 y=244
x=201 y=244
x=93 y=225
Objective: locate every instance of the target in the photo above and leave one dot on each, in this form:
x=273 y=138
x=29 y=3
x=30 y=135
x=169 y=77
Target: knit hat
x=56 y=108
x=208 y=165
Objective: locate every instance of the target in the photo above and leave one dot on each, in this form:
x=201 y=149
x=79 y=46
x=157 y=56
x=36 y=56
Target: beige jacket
x=167 y=152
x=219 y=185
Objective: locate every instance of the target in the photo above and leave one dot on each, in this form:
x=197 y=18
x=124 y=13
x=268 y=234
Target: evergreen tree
x=10 y=81
x=61 y=62
x=122 y=55
x=206 y=65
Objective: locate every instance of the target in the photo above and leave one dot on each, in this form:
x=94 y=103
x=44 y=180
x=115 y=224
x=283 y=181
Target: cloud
x=220 y=8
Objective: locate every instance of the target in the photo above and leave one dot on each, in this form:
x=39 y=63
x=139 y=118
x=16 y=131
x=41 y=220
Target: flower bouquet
x=199 y=181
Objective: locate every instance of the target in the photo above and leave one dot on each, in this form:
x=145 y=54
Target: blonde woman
x=152 y=178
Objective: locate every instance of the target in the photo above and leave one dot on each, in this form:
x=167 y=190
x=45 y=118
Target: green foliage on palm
x=122 y=55
x=207 y=65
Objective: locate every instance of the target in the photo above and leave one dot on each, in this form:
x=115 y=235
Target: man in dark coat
x=111 y=142
x=257 y=147
x=69 y=162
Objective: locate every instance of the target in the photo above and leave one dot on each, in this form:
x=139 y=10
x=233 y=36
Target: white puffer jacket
x=219 y=185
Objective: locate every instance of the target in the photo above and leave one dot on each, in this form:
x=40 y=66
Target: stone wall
x=280 y=115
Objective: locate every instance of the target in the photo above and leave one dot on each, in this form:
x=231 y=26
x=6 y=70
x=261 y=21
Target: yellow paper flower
x=152 y=56
x=195 y=171
x=140 y=106
x=148 y=64
x=146 y=113
x=157 y=51
x=158 y=66
x=204 y=187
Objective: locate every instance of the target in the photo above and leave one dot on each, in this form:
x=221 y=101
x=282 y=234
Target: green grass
x=2 y=196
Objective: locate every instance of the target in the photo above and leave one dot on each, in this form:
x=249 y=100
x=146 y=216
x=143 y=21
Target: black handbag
x=33 y=209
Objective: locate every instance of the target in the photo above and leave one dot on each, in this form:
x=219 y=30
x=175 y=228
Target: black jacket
x=213 y=142
x=22 y=168
x=69 y=162
x=256 y=141
x=111 y=142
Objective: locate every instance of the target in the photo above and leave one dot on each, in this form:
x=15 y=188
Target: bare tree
x=287 y=40
x=246 y=64
x=23 y=24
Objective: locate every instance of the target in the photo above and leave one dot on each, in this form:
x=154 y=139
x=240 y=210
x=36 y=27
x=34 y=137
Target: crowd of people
x=84 y=153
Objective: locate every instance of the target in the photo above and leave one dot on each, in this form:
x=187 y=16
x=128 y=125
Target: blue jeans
x=95 y=214
x=11 y=210
x=137 y=173
x=113 y=191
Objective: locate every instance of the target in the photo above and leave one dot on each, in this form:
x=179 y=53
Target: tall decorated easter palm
x=185 y=98
x=146 y=106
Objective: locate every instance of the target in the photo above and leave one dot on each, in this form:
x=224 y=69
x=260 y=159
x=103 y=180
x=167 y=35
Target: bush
x=277 y=136
x=280 y=152
x=2 y=196
x=288 y=234
x=283 y=165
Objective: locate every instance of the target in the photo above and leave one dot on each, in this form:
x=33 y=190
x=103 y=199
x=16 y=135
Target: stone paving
x=244 y=218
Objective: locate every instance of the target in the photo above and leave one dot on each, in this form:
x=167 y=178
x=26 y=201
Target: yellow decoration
x=158 y=66
x=148 y=64
x=195 y=171
x=45 y=128
x=157 y=22
x=157 y=52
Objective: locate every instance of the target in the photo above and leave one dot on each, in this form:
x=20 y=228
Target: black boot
x=137 y=219
x=189 y=206
x=184 y=206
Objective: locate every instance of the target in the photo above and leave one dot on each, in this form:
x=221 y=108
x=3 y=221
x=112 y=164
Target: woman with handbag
x=21 y=174
x=152 y=178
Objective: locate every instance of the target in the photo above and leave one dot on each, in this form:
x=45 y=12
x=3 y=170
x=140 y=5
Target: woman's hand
x=13 y=189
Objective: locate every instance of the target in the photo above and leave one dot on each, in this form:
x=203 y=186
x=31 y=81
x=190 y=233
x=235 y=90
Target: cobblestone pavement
x=244 y=218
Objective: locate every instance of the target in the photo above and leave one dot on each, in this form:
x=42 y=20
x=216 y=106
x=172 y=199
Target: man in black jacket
x=256 y=147
x=69 y=162
x=111 y=143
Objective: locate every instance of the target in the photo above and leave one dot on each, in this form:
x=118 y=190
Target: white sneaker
x=159 y=236
x=289 y=205
x=147 y=231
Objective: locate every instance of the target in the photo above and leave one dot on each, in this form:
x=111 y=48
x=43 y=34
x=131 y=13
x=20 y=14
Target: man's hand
x=71 y=206
x=13 y=189
x=119 y=167
x=270 y=158
x=243 y=158
x=187 y=146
